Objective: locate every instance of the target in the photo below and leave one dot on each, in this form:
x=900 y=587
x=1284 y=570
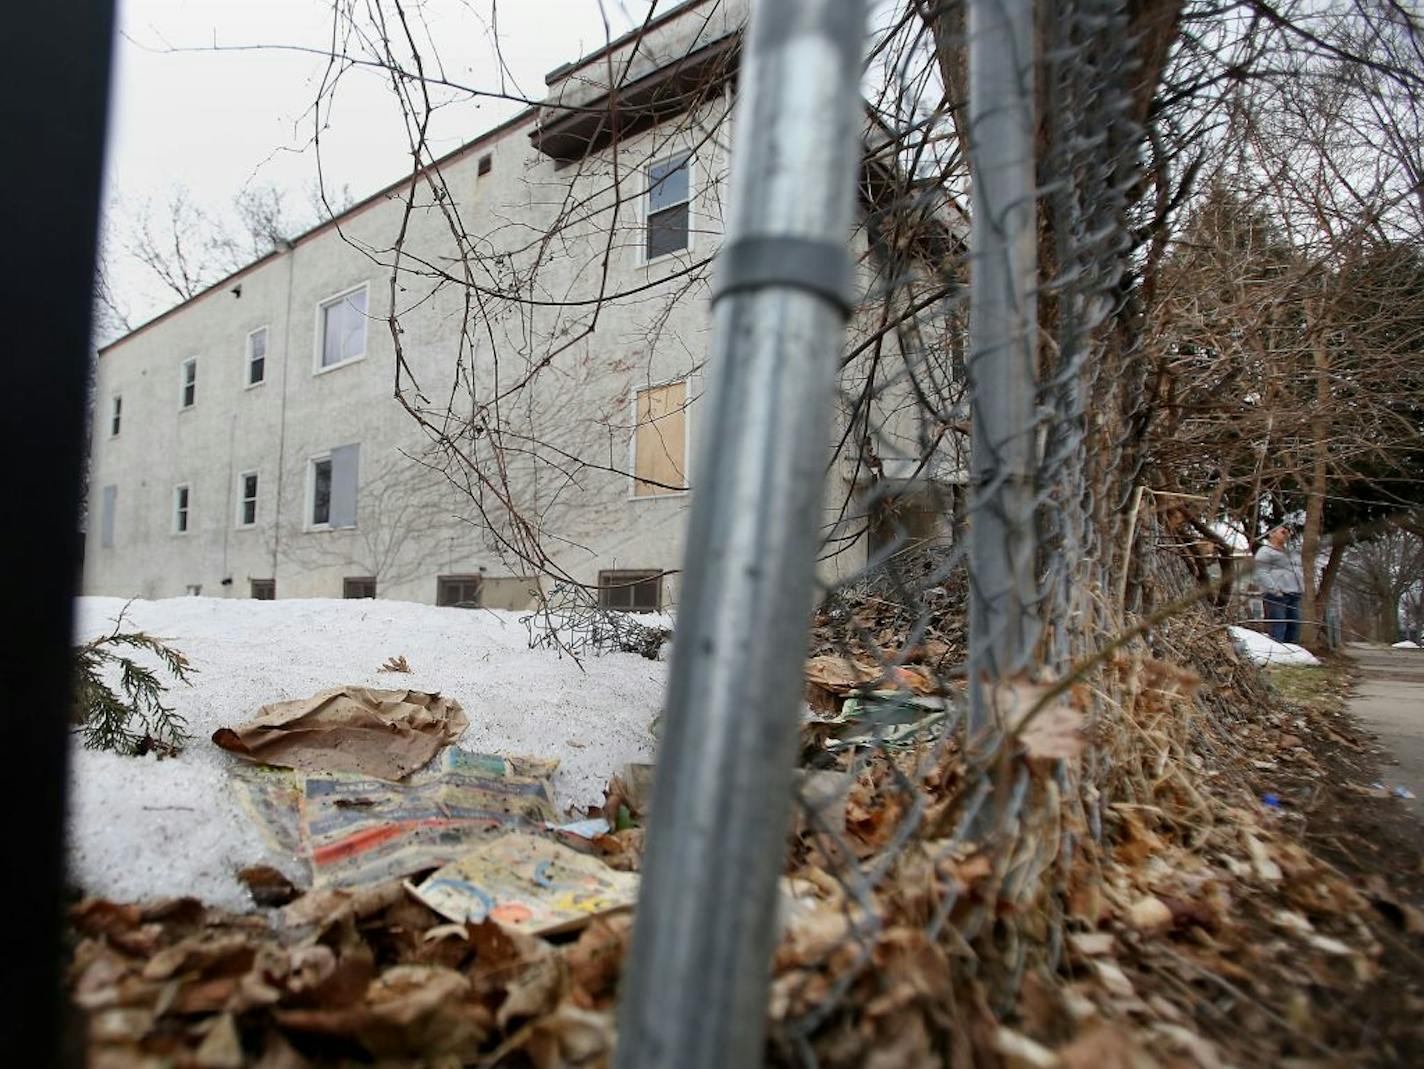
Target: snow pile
x=1407 y=645
x=1265 y=650
x=143 y=828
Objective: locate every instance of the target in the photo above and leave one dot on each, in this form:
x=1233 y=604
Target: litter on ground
x=526 y=883
x=142 y=828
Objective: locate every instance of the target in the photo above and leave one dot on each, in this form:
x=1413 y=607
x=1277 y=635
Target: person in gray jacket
x=1279 y=577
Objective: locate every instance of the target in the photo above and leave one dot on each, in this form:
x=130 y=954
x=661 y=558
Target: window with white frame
x=668 y=208
x=342 y=329
x=257 y=356
x=247 y=499
x=116 y=411
x=321 y=491
x=180 y=509
x=331 y=488
x=188 y=392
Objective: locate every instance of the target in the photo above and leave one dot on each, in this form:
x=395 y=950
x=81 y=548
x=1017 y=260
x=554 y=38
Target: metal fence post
x=1003 y=327
x=695 y=991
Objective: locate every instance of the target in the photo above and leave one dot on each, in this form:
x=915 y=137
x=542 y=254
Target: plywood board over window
x=660 y=440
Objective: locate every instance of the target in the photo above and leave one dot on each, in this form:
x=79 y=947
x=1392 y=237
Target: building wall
x=608 y=323
x=274 y=428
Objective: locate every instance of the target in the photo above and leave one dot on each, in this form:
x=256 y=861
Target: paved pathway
x=1390 y=702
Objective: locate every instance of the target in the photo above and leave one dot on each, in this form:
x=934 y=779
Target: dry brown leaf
x=99 y=916
x=232 y=952
x=1150 y=915
x=567 y=1038
x=1092 y=944
x=267 y=886
x=1049 y=728
x=1105 y=1046
x=1020 y=1052
x=277 y=1053
x=595 y=961
x=221 y=1047
x=421 y=1011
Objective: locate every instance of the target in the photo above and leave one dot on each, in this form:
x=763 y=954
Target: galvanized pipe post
x=695 y=991
x=1002 y=369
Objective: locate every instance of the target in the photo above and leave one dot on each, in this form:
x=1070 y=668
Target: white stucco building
x=494 y=360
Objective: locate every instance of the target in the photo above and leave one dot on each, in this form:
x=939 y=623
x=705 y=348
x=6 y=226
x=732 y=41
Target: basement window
x=358 y=587
x=264 y=590
x=630 y=591
x=458 y=591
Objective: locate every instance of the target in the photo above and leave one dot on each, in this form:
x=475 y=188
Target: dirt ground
x=1375 y=840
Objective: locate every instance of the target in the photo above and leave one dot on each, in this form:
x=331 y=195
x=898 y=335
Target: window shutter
x=344 y=466
x=106 y=517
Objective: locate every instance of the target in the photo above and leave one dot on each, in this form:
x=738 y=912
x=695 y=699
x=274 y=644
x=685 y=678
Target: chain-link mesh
x=950 y=860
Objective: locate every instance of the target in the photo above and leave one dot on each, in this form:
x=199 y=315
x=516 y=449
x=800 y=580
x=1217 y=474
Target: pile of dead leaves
x=337 y=979
x=921 y=593
x=1147 y=907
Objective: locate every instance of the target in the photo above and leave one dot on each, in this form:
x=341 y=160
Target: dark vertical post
x=52 y=114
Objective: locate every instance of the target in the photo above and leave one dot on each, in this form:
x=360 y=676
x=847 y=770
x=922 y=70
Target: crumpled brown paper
x=386 y=734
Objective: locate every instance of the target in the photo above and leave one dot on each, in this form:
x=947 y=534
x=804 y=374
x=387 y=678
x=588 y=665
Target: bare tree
x=1380 y=573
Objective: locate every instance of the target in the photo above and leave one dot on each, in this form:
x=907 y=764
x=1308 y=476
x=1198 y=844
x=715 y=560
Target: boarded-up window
x=631 y=591
x=660 y=440
x=458 y=591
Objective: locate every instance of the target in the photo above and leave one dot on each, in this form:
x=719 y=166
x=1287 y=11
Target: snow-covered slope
x=141 y=828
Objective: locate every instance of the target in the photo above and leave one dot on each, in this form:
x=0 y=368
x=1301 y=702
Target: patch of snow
x=143 y=828
x=1265 y=650
x=1407 y=645
x=1232 y=535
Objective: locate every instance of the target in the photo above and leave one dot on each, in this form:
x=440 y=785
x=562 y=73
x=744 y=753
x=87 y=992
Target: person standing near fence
x=1279 y=576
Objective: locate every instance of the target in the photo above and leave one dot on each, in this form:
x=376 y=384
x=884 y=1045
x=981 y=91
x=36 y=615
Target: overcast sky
x=212 y=95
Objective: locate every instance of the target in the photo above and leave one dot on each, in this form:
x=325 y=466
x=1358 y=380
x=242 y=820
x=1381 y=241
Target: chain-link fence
x=991 y=480
x=984 y=284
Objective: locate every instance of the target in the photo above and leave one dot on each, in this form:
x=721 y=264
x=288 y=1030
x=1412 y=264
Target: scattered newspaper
x=526 y=882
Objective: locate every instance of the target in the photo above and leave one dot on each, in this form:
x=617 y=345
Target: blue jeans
x=1282 y=612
